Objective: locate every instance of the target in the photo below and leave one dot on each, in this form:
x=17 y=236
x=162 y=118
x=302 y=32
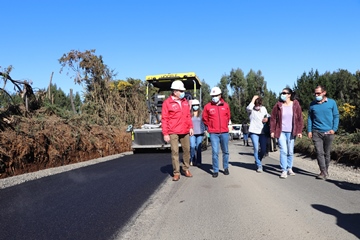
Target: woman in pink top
x=286 y=123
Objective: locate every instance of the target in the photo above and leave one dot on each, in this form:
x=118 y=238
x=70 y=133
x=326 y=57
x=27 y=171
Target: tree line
x=107 y=100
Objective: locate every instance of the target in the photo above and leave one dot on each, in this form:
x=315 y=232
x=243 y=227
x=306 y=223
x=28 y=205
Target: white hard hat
x=177 y=85
x=195 y=102
x=215 y=91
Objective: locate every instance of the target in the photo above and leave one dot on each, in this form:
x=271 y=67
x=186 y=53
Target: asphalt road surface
x=133 y=197
x=249 y=205
x=92 y=202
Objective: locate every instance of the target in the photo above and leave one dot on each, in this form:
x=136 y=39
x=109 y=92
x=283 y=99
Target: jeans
x=256 y=138
x=195 y=148
x=322 y=143
x=221 y=139
x=286 y=145
x=245 y=136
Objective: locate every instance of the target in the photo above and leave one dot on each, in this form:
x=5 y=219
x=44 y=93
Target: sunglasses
x=285 y=93
x=318 y=93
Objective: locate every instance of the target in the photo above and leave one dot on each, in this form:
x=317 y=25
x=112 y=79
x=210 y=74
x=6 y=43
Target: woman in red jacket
x=286 y=123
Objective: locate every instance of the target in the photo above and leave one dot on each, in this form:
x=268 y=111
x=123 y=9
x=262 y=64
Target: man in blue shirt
x=323 y=122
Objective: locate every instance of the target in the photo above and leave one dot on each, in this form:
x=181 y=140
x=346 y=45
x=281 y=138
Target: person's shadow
x=345 y=185
x=349 y=222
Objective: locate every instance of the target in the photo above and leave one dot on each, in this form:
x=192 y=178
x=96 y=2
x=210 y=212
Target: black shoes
x=216 y=174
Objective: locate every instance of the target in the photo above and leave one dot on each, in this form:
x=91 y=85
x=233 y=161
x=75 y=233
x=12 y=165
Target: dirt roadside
x=337 y=172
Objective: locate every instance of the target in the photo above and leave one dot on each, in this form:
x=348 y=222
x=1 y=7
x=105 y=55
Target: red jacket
x=216 y=117
x=175 y=119
x=276 y=119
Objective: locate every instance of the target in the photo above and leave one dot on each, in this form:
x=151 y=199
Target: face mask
x=257 y=108
x=283 y=97
x=182 y=95
x=319 y=98
x=195 y=107
x=215 y=99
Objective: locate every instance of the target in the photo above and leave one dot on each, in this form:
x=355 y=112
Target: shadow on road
x=167 y=169
x=345 y=185
x=246 y=153
x=250 y=166
x=349 y=222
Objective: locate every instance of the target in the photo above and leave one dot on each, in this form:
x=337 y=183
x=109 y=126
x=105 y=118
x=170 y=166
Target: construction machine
x=150 y=136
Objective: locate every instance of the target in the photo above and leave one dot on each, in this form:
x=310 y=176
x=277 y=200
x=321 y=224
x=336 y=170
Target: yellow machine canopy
x=163 y=81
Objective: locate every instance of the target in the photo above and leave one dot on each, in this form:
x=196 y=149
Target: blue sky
x=136 y=38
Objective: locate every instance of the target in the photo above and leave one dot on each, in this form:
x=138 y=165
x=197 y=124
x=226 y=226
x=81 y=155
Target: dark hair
x=323 y=88
x=258 y=101
x=199 y=111
x=292 y=93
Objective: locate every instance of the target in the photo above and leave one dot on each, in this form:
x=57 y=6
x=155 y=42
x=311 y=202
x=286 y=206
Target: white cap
x=178 y=85
x=195 y=102
x=215 y=91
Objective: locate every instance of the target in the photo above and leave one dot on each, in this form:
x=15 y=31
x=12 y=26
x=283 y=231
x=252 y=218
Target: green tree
x=223 y=85
x=91 y=71
x=237 y=100
x=205 y=93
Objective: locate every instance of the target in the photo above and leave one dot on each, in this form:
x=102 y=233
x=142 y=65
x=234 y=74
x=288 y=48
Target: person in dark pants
x=245 y=131
x=323 y=122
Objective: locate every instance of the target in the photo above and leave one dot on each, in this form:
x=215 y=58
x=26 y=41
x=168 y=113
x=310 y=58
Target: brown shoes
x=187 y=173
x=176 y=177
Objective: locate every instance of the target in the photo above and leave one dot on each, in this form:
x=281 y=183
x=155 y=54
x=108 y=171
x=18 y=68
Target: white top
x=256 y=117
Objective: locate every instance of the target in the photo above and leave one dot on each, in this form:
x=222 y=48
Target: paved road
x=133 y=197
x=248 y=205
x=92 y=202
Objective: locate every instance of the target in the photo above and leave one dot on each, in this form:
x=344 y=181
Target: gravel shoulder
x=337 y=172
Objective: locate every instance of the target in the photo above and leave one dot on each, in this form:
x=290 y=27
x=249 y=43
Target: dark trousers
x=322 y=143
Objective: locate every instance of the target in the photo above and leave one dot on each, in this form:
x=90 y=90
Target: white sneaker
x=290 y=172
x=283 y=174
x=259 y=170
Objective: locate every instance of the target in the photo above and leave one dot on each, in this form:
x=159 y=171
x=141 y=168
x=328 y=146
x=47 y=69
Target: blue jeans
x=221 y=139
x=195 y=148
x=256 y=139
x=245 y=136
x=286 y=145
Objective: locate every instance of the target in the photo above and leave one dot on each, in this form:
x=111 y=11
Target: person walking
x=177 y=127
x=245 y=132
x=323 y=122
x=197 y=138
x=258 y=117
x=286 y=123
x=216 y=117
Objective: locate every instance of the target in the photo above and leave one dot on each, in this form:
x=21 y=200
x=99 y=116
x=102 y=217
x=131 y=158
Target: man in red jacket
x=177 y=126
x=216 y=117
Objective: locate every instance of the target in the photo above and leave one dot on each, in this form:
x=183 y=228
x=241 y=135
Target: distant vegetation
x=111 y=104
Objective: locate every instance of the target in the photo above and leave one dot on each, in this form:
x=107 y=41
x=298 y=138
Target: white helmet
x=215 y=91
x=177 y=85
x=195 y=102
